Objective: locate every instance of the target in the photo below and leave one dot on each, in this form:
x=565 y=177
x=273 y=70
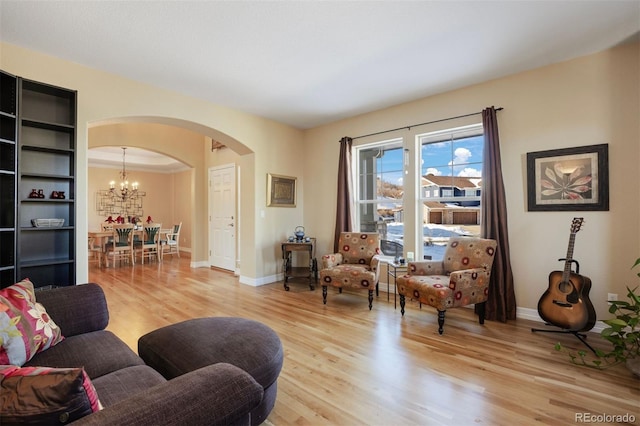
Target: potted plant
x=623 y=332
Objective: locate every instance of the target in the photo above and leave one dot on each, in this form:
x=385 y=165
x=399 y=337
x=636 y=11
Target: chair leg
x=481 y=311
x=441 y=321
x=370 y=299
x=377 y=290
x=402 y=301
x=340 y=290
x=324 y=294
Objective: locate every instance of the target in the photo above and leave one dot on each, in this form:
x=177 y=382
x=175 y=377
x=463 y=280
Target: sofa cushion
x=99 y=353
x=45 y=396
x=122 y=384
x=77 y=309
x=247 y=344
x=25 y=326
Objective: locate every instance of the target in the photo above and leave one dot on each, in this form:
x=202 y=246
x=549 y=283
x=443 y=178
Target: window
x=451 y=162
x=449 y=175
x=380 y=191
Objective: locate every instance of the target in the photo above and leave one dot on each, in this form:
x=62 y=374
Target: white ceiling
x=135 y=159
x=306 y=63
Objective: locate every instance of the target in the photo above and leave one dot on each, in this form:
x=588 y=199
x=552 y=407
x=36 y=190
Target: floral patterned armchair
x=460 y=279
x=354 y=266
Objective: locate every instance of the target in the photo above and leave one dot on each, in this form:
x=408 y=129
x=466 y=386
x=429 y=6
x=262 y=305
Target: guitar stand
x=580 y=336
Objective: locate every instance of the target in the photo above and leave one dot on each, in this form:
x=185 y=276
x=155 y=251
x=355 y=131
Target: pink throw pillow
x=25 y=327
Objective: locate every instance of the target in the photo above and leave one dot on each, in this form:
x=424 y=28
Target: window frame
x=359 y=175
x=414 y=193
x=449 y=135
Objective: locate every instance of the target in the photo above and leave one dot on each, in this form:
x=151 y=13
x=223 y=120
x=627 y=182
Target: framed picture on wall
x=568 y=179
x=281 y=191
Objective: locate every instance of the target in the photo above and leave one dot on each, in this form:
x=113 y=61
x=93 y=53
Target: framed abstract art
x=568 y=179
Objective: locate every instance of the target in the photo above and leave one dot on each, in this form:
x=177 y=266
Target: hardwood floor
x=346 y=365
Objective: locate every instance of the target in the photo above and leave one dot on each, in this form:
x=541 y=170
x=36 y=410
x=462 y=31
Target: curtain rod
x=422 y=124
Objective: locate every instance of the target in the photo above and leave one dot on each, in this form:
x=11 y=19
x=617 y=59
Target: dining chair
x=95 y=251
x=121 y=246
x=171 y=245
x=106 y=226
x=149 y=246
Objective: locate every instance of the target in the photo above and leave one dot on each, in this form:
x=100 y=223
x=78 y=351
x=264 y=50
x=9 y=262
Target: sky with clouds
x=461 y=157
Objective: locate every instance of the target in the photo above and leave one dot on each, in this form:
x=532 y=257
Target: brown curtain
x=343 y=209
x=501 y=304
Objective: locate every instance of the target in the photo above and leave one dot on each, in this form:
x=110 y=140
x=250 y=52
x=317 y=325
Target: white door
x=222 y=217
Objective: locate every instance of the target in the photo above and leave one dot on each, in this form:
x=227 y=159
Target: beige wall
x=589 y=100
x=106 y=99
x=586 y=101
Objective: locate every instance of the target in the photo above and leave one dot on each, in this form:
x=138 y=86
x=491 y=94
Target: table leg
x=388 y=280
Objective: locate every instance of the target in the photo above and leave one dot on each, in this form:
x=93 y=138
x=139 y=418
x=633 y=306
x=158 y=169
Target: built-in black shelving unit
x=8 y=138
x=43 y=174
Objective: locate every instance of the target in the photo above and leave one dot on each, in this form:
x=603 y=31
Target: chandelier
x=121 y=200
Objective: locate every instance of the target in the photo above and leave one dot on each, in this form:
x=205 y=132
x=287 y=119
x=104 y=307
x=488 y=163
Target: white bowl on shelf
x=47 y=223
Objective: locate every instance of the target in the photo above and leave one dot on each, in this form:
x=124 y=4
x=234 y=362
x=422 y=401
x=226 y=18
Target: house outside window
x=450 y=160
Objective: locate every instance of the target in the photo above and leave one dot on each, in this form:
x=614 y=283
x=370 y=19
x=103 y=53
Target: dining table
x=102 y=237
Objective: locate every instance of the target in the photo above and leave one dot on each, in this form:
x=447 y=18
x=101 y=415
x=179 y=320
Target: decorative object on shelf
x=57 y=195
x=568 y=179
x=281 y=191
x=124 y=201
x=110 y=219
x=299 y=233
x=47 y=223
x=149 y=220
x=36 y=193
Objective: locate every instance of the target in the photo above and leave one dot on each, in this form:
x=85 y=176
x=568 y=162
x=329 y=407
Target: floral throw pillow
x=45 y=395
x=25 y=327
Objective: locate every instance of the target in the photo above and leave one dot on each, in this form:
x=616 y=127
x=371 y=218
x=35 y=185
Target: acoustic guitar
x=566 y=303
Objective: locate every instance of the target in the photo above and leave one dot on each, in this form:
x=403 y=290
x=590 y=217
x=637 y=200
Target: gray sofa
x=132 y=392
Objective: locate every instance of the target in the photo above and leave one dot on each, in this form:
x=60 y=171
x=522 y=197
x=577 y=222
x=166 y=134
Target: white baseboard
x=261 y=281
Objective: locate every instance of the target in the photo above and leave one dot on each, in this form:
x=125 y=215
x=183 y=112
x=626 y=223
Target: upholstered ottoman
x=192 y=344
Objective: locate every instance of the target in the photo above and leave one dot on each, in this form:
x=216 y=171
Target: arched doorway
x=176 y=139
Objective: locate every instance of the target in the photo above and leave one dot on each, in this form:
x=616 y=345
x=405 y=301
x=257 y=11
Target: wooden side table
x=290 y=271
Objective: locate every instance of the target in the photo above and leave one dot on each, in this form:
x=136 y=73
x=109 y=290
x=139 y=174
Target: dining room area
x=140 y=212
x=118 y=242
